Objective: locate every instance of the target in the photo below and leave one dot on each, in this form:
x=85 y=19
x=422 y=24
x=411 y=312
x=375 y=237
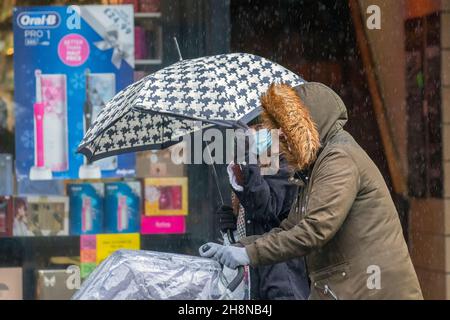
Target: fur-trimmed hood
x=309 y=115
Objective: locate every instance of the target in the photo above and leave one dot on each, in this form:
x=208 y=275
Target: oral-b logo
x=39 y=19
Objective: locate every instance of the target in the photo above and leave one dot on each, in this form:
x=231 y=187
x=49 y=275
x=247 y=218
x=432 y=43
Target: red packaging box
x=6 y=214
x=140 y=46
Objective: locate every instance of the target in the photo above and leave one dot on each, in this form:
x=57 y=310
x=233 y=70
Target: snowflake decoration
x=77 y=81
x=27 y=139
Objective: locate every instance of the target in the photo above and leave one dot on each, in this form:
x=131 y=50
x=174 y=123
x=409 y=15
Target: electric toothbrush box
x=123 y=206
x=68 y=63
x=6 y=214
x=86 y=207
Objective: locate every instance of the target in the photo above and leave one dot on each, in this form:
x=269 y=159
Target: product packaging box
x=68 y=63
x=166 y=196
x=11 y=284
x=122 y=206
x=86 y=208
x=158 y=163
x=41 y=216
x=153 y=40
x=6 y=174
x=140 y=45
x=55 y=285
x=100 y=88
x=6 y=213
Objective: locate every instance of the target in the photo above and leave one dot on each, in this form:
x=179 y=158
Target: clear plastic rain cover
x=148 y=275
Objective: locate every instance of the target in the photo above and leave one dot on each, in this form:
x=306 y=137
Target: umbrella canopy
x=160 y=109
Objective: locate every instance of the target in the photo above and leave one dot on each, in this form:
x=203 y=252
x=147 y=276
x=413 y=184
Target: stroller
x=149 y=275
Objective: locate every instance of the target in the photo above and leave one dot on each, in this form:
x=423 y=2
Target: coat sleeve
x=334 y=189
x=267 y=198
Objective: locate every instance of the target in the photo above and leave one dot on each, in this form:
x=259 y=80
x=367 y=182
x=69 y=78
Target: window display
x=64 y=211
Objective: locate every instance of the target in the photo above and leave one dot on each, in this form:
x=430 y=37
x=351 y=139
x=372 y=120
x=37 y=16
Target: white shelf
x=147 y=61
x=141 y=15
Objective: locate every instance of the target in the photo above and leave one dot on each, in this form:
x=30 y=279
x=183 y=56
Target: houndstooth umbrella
x=160 y=109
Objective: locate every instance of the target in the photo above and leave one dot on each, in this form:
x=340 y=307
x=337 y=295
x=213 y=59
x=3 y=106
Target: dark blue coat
x=267 y=200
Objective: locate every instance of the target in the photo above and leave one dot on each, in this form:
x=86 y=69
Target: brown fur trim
x=283 y=108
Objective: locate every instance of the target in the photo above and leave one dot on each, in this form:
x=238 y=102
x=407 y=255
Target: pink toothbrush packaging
x=86 y=208
x=53 y=87
x=122 y=206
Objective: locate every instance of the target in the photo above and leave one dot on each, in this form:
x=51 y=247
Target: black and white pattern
x=160 y=108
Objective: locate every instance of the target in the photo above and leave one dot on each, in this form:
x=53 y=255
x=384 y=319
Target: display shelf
x=167 y=236
x=143 y=15
x=143 y=62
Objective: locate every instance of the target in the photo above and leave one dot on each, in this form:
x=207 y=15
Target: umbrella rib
x=101 y=132
x=222 y=123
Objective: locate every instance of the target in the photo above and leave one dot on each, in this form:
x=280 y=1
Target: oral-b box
x=122 y=206
x=86 y=208
x=69 y=61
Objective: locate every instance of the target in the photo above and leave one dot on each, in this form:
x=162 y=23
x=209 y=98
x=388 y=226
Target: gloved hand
x=227 y=219
x=230 y=256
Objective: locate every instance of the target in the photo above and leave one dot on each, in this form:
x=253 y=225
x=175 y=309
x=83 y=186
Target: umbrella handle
x=237 y=279
x=216 y=176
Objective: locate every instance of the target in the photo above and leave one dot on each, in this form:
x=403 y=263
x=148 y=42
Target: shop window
x=423 y=106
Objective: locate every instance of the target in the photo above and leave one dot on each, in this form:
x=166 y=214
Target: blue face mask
x=263 y=140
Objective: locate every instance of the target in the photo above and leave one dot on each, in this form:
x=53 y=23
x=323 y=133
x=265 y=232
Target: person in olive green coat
x=344 y=220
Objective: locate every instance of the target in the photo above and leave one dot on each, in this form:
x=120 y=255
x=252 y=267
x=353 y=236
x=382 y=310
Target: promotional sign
x=68 y=62
x=163 y=225
x=95 y=248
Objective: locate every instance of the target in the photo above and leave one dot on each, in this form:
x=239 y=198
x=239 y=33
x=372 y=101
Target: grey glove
x=230 y=256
